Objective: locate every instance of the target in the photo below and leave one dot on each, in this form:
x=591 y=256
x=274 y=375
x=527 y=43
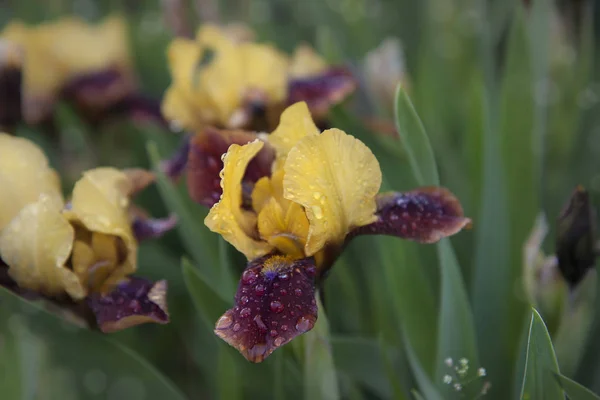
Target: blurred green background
x=509 y=98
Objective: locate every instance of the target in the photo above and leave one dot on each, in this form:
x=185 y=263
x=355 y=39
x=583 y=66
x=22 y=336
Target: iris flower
x=88 y=65
x=79 y=254
x=290 y=201
x=221 y=80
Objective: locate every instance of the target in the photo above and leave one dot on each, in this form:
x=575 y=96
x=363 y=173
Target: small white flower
x=481 y=372
x=447 y=379
x=457 y=387
x=449 y=362
x=463 y=361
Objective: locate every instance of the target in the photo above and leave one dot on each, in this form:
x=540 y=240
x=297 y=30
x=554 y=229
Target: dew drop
x=245 y=313
x=273 y=333
x=303 y=324
x=311 y=270
x=317 y=195
x=298 y=292
x=276 y=306
x=278 y=341
x=237 y=327
x=244 y=300
x=248 y=277
x=260 y=290
x=224 y=322
x=283 y=292
x=284 y=277
x=317 y=211
x=284 y=328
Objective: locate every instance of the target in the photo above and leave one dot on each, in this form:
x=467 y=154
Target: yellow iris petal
x=24 y=176
x=42 y=73
x=227 y=217
x=35 y=245
x=100 y=203
x=84 y=48
x=285 y=229
x=295 y=124
x=335 y=177
x=306 y=62
x=266 y=188
x=265 y=69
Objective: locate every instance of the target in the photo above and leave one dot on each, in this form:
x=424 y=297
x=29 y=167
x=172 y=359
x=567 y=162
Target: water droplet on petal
x=276 y=306
x=317 y=211
x=237 y=327
x=260 y=290
x=273 y=333
x=317 y=195
x=298 y=292
x=303 y=324
x=278 y=341
x=248 y=277
x=245 y=313
x=224 y=322
x=244 y=300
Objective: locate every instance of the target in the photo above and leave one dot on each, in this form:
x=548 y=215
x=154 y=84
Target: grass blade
x=541 y=364
x=574 y=390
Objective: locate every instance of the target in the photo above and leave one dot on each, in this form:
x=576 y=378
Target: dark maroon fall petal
x=133 y=302
x=96 y=92
x=174 y=166
x=275 y=302
x=10 y=86
x=204 y=162
x=576 y=237
x=139 y=108
x=424 y=215
x=152 y=228
x=322 y=91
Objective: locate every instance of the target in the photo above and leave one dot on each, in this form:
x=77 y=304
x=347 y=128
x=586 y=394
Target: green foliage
x=500 y=107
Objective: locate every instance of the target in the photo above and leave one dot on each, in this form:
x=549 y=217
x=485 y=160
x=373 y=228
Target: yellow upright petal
x=227 y=217
x=100 y=203
x=265 y=69
x=266 y=188
x=35 y=245
x=295 y=124
x=285 y=228
x=306 y=62
x=85 y=48
x=335 y=177
x=24 y=176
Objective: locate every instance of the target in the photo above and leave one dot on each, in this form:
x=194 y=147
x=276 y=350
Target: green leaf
x=360 y=359
x=208 y=302
x=320 y=378
x=84 y=355
x=457 y=332
x=574 y=390
x=229 y=385
x=540 y=364
x=426 y=387
x=199 y=242
x=414 y=138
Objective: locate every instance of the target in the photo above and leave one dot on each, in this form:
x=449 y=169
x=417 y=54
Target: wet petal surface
x=133 y=302
x=425 y=215
x=275 y=302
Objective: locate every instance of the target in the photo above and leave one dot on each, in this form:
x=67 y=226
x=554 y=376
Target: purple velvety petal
x=274 y=303
x=576 y=237
x=151 y=228
x=205 y=164
x=10 y=97
x=132 y=302
x=94 y=93
x=174 y=166
x=140 y=108
x=322 y=91
x=425 y=215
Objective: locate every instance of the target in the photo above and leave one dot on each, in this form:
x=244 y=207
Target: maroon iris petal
x=151 y=228
x=425 y=215
x=132 y=302
x=322 y=91
x=95 y=92
x=205 y=164
x=139 y=108
x=275 y=302
x=10 y=86
x=174 y=166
